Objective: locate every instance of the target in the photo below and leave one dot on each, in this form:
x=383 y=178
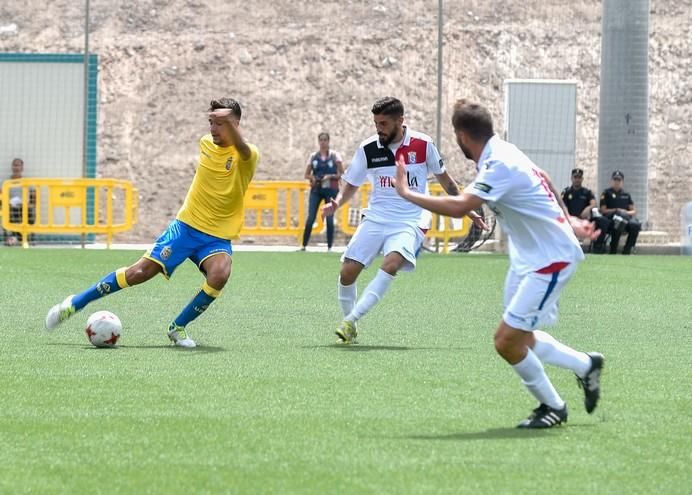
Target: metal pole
x=86 y=90
x=438 y=134
x=85 y=134
x=623 y=130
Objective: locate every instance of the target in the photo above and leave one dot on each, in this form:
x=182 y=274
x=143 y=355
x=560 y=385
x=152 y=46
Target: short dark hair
x=474 y=119
x=230 y=103
x=388 y=106
x=323 y=134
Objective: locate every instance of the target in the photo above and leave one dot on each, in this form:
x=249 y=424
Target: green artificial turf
x=269 y=404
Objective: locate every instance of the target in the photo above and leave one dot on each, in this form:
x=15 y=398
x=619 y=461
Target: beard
x=386 y=139
x=465 y=151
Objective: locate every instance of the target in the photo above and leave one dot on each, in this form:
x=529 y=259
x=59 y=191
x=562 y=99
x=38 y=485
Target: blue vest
x=321 y=167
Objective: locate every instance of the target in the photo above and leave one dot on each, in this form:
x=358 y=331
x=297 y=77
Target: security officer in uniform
x=579 y=200
x=581 y=203
x=617 y=207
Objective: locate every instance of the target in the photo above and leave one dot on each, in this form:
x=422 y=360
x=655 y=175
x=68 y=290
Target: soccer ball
x=103 y=329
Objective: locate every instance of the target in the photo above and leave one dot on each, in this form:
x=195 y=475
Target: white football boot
x=179 y=336
x=59 y=313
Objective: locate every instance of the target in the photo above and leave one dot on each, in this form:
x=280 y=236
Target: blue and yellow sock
x=109 y=284
x=198 y=305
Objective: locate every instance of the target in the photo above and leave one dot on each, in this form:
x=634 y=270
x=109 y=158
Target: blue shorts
x=180 y=242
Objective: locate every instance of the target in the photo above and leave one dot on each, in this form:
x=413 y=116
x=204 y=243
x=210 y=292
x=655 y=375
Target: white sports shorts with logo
x=371 y=238
x=531 y=300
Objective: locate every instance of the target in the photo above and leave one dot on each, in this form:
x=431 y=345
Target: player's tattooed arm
x=450 y=186
x=447 y=183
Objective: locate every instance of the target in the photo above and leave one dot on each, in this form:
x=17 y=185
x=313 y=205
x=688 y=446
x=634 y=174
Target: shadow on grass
x=500 y=434
x=204 y=349
x=366 y=348
x=201 y=348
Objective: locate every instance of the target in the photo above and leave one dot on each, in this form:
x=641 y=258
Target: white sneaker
x=59 y=313
x=179 y=336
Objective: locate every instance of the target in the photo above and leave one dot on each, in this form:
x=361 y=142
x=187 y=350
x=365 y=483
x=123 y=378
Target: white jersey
x=378 y=164
x=539 y=233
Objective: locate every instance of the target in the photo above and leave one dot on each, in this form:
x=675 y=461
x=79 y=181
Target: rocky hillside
x=302 y=66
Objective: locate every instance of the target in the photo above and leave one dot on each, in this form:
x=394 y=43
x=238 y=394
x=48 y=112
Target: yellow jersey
x=214 y=202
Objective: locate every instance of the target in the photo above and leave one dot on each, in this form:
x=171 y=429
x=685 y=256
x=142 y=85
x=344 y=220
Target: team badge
x=411 y=157
x=103 y=288
x=614 y=196
x=229 y=162
x=569 y=196
x=486 y=188
x=166 y=253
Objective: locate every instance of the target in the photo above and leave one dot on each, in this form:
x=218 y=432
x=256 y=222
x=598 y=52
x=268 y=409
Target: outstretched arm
x=581 y=227
x=450 y=186
x=451 y=206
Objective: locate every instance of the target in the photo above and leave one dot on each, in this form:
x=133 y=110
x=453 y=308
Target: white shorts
x=372 y=238
x=531 y=300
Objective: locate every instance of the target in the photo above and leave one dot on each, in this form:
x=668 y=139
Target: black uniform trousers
x=609 y=227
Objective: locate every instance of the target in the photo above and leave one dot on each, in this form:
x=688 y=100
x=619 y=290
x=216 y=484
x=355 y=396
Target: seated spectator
x=581 y=203
x=618 y=215
x=16 y=203
x=579 y=200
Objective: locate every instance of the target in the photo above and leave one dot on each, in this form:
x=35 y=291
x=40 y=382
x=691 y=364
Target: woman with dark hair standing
x=324 y=169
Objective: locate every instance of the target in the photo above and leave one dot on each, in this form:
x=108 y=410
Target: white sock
x=372 y=295
x=347 y=295
x=537 y=382
x=556 y=353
